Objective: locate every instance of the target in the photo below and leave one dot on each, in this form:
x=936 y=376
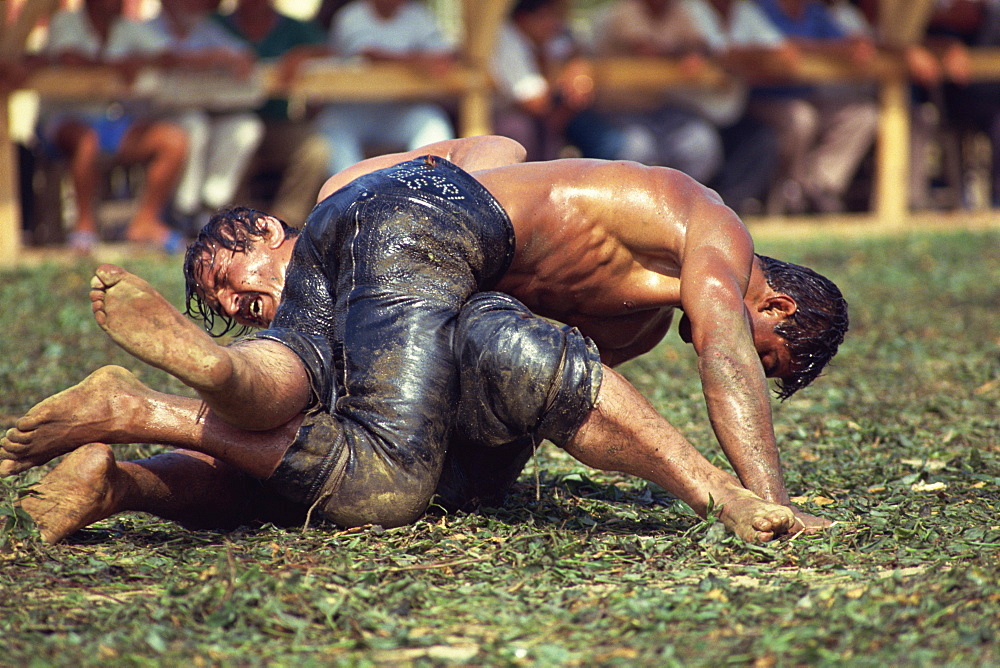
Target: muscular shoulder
x=632 y=183
x=643 y=207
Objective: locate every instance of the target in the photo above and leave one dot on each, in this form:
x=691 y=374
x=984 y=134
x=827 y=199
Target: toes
x=14 y=440
x=12 y=467
x=775 y=523
x=27 y=422
x=106 y=275
x=9 y=447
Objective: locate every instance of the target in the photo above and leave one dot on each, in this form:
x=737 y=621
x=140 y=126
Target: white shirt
x=357 y=28
x=72 y=32
x=206 y=35
x=514 y=68
x=748 y=25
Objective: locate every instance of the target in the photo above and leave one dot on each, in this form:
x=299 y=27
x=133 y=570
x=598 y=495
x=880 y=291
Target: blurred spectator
x=98 y=34
x=927 y=71
x=386 y=31
x=970 y=24
x=327 y=10
x=291 y=147
x=220 y=144
x=824 y=132
x=545 y=90
x=685 y=138
x=737 y=34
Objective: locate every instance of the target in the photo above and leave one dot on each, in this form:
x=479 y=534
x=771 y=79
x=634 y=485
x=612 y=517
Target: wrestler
x=214 y=373
x=612 y=248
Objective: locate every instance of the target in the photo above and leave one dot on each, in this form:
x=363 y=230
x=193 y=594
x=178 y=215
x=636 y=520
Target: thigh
x=521 y=375
x=524 y=379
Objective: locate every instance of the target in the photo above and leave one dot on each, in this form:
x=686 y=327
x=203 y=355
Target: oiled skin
x=612 y=248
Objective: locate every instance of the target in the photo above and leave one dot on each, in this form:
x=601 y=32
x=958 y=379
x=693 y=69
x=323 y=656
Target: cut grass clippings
x=898 y=442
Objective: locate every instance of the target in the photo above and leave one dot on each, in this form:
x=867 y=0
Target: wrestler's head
x=235 y=270
x=812 y=324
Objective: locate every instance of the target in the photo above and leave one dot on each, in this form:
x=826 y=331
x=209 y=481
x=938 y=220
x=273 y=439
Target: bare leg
x=112 y=406
x=625 y=433
x=190 y=488
x=257 y=384
x=164 y=147
x=83 y=489
x=79 y=142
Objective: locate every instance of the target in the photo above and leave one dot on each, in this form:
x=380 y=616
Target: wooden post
x=10 y=202
x=904 y=22
x=12 y=39
x=901 y=23
x=893 y=153
x=482 y=22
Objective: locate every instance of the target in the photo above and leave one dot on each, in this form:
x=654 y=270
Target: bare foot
x=79 y=491
x=753 y=519
x=808 y=523
x=102 y=407
x=146 y=325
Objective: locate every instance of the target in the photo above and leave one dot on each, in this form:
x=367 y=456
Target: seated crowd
x=766 y=145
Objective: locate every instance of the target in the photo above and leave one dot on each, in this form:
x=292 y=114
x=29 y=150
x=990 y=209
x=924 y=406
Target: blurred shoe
x=174 y=243
x=82 y=241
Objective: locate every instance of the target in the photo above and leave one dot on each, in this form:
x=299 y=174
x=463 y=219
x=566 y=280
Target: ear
x=274 y=233
x=779 y=305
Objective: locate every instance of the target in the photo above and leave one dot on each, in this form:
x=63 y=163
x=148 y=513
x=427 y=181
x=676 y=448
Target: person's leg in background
x=187 y=198
x=751 y=161
x=163 y=147
x=796 y=123
x=688 y=143
x=342 y=127
x=847 y=133
x=79 y=142
x=234 y=139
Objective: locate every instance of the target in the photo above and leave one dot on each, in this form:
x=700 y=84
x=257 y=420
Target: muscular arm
x=715 y=273
x=469 y=153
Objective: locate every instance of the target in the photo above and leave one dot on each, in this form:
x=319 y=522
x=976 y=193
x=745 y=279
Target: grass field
x=899 y=441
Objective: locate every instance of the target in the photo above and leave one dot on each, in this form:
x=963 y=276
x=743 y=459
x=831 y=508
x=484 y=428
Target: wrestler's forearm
x=739 y=409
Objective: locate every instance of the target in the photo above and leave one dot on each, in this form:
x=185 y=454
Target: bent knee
x=520 y=374
x=388 y=506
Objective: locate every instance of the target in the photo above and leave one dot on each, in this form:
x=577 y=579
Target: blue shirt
x=816 y=23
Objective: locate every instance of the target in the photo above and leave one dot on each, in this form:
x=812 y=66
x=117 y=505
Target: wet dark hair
x=816 y=329
x=234 y=229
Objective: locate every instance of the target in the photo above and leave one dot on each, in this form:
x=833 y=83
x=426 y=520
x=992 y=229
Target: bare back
x=600 y=245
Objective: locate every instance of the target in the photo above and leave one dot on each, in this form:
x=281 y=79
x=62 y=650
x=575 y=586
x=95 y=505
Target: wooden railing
x=469 y=85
